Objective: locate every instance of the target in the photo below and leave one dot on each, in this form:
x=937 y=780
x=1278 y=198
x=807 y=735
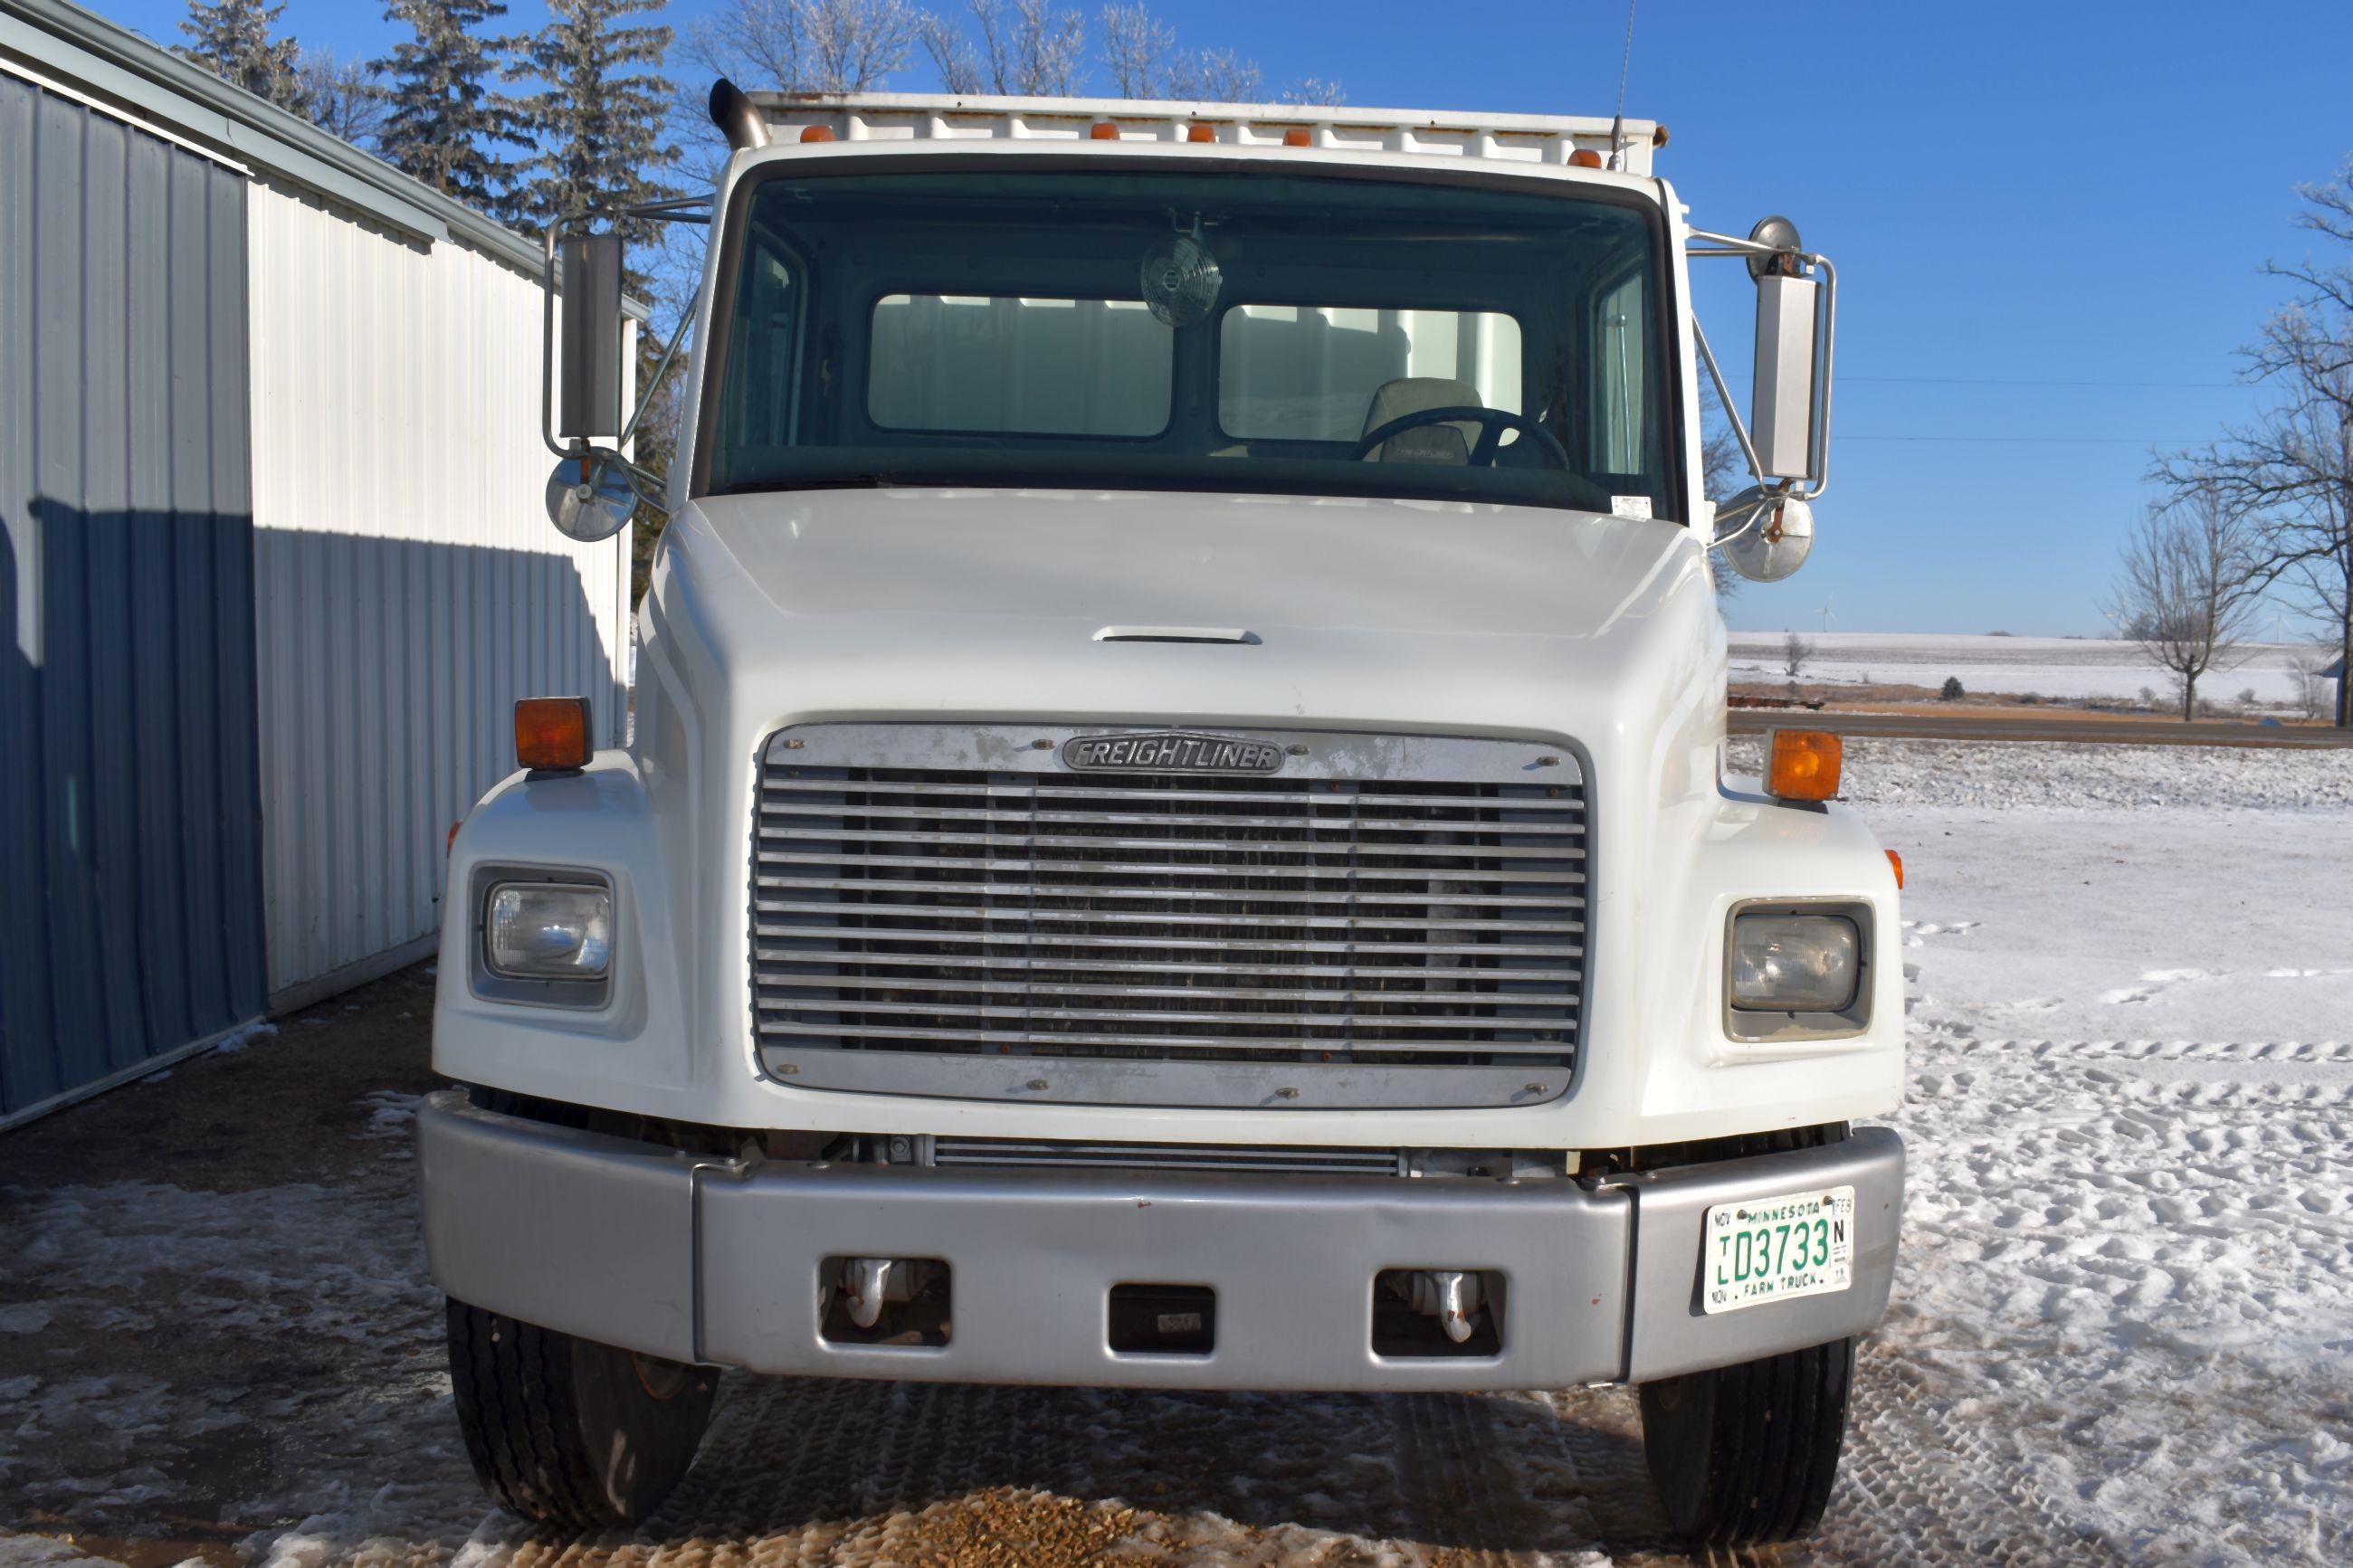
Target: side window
x=1621 y=373
x=765 y=347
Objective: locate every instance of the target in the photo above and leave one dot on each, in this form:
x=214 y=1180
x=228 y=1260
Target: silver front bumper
x=717 y=1261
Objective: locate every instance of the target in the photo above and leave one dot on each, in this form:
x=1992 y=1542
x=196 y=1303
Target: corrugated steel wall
x=131 y=918
x=409 y=585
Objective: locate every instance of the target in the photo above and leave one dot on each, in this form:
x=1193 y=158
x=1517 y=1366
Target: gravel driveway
x=215 y=1342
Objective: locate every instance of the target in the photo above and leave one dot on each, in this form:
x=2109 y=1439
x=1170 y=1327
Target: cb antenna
x=1617 y=126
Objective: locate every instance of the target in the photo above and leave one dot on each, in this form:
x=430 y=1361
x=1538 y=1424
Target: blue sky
x=2048 y=221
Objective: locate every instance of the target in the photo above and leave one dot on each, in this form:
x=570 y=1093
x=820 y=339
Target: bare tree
x=808 y=45
x=1719 y=478
x=2309 y=668
x=1142 y=54
x=789 y=45
x=1796 y=653
x=2190 y=584
x=1031 y=48
x=1314 y=91
x=342 y=97
x=2291 y=471
x=1219 y=76
x=1136 y=48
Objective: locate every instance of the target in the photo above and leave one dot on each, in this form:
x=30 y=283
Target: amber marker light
x=817 y=133
x=1897 y=861
x=1803 y=765
x=1584 y=157
x=551 y=733
x=1105 y=130
x=1297 y=136
x=1201 y=133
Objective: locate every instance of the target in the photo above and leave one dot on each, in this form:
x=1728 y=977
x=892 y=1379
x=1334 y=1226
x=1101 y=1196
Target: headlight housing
x=549 y=931
x=1796 y=970
x=544 y=936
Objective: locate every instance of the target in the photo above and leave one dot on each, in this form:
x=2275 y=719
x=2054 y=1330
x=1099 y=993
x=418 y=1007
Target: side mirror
x=589 y=500
x=1776 y=535
x=1784 y=408
x=590 y=403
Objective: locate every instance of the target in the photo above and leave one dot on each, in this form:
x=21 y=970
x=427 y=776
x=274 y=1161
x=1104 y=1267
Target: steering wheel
x=1491 y=423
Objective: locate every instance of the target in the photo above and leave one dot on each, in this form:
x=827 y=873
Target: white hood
x=1395 y=614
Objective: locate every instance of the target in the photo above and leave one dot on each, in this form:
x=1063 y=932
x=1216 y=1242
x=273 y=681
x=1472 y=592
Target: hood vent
x=1178 y=633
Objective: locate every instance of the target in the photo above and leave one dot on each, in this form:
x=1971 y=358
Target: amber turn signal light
x=551 y=733
x=1897 y=861
x=1803 y=765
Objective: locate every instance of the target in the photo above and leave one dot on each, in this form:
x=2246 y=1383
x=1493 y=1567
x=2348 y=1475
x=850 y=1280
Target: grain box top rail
x=1544 y=139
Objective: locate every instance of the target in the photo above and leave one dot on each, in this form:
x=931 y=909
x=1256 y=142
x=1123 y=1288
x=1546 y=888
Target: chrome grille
x=950 y=910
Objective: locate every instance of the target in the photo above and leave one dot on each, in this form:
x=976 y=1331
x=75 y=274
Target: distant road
x=1996 y=727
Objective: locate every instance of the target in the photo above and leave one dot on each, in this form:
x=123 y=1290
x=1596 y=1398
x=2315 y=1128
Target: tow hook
x=1453 y=1296
x=865 y=1282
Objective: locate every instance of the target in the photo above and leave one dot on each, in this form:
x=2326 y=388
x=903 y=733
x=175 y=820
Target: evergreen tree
x=232 y=39
x=597 y=128
x=596 y=125
x=444 y=121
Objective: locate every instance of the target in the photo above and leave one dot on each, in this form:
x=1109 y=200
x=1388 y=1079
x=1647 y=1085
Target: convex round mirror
x=1775 y=542
x=594 y=513
x=1782 y=234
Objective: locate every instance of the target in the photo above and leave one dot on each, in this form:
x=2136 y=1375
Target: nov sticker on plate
x=1778 y=1249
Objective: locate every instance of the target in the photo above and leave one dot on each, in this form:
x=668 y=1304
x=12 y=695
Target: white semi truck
x=1175 y=832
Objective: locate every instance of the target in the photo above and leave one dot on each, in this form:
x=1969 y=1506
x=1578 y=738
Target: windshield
x=1138 y=329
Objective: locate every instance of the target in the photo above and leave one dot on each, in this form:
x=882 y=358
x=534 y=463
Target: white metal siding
x=408 y=587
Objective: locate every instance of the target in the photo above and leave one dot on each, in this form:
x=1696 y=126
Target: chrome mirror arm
x=682 y=209
x=1724 y=396
x=661 y=367
x=1751 y=250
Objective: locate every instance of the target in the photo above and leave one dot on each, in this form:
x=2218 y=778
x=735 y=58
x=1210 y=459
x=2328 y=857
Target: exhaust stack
x=731 y=111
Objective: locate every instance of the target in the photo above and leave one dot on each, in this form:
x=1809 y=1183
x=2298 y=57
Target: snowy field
x=2121 y=1329
x=2049 y=667
x=2128 y=1248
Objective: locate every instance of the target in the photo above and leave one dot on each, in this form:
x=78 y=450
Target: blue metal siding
x=129 y=817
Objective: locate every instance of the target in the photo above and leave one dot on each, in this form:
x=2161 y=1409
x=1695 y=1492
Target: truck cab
x=1175 y=832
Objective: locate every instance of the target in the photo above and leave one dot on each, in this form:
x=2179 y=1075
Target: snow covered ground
x=2131 y=1124
x=2049 y=667
x=2121 y=1329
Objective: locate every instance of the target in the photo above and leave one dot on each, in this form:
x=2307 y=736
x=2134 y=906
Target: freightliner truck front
x=1175 y=832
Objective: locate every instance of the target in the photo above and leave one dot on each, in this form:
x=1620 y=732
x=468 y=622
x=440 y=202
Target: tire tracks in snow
x=1921 y=1486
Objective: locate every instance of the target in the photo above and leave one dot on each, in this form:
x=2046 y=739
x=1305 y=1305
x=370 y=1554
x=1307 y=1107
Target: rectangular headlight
x=1794 y=964
x=549 y=931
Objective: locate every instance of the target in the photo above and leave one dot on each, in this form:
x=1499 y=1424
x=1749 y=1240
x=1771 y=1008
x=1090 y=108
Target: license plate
x=1778 y=1249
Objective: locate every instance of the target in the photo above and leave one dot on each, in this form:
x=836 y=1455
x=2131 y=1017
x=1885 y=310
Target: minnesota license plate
x=1777 y=1249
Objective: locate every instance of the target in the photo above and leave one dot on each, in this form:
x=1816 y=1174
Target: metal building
x=274 y=565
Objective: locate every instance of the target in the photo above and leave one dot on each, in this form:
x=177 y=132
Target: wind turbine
x=1828 y=619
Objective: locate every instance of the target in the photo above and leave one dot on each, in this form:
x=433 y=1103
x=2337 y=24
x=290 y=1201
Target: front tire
x=1745 y=1456
x=569 y=1431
